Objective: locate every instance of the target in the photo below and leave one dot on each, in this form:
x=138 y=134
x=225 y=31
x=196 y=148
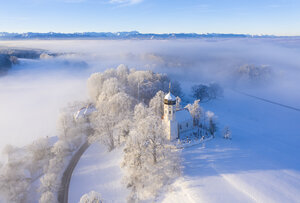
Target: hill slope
x=260 y=163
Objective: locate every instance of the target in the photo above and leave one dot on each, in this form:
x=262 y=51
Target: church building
x=178 y=122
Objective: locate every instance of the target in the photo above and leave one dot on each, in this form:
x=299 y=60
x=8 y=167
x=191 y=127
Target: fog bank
x=34 y=90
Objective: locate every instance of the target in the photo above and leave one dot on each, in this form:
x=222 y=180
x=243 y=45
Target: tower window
x=169 y=112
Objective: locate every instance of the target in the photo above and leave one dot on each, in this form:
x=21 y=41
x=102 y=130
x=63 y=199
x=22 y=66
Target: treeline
x=9 y=57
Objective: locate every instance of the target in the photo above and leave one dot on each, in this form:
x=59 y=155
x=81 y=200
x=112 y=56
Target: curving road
x=66 y=178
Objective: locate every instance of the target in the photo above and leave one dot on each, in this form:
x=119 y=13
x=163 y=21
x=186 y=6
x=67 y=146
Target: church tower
x=170 y=116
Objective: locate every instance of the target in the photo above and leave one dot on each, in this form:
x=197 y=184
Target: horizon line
x=150 y=33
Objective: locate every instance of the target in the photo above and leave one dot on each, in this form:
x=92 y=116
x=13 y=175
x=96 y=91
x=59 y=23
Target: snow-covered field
x=260 y=164
x=100 y=171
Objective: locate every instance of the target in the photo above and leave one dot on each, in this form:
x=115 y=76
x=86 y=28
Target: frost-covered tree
x=110 y=118
x=91 y=197
x=157 y=103
x=47 y=197
x=227 y=133
x=39 y=153
x=178 y=105
x=24 y=165
x=212 y=126
x=73 y=132
x=50 y=183
x=151 y=162
x=14 y=177
x=137 y=84
x=145 y=84
x=122 y=74
x=122 y=130
x=94 y=85
x=196 y=112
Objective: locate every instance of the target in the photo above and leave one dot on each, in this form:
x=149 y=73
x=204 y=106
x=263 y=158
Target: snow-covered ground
x=100 y=171
x=260 y=164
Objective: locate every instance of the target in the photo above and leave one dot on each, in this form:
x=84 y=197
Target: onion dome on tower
x=170 y=99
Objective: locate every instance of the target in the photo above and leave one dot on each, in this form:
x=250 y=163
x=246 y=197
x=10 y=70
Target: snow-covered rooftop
x=183 y=115
x=85 y=111
x=170 y=97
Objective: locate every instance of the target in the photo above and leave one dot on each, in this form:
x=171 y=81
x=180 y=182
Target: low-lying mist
x=33 y=91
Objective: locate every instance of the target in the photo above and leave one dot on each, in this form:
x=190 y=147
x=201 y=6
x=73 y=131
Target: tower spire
x=169 y=86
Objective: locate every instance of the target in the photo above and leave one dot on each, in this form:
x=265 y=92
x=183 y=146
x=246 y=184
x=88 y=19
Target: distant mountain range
x=122 y=35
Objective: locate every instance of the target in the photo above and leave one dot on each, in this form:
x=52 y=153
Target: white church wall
x=185 y=126
x=174 y=130
x=171 y=129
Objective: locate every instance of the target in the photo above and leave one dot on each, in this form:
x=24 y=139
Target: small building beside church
x=178 y=122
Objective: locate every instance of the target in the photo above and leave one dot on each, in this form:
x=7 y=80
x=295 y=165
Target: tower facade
x=170 y=116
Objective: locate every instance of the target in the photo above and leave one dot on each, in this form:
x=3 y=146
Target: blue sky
x=278 y=17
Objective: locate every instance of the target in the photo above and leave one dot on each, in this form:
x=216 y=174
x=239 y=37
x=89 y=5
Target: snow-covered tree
x=227 y=133
x=47 y=197
x=39 y=155
x=138 y=84
x=122 y=130
x=196 y=112
x=94 y=85
x=151 y=162
x=14 y=177
x=157 y=103
x=122 y=74
x=178 y=105
x=50 y=183
x=110 y=118
x=91 y=197
x=212 y=126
